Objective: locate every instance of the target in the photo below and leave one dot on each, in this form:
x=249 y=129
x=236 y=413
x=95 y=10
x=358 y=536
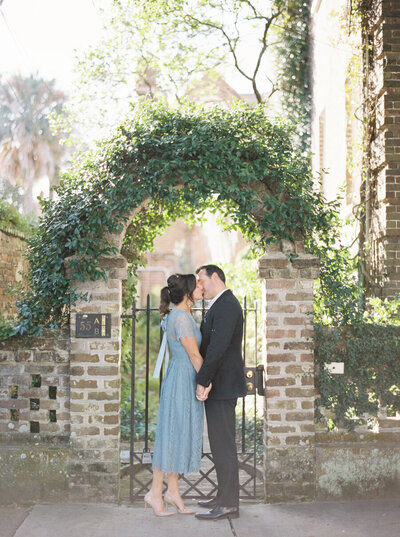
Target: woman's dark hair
x=178 y=285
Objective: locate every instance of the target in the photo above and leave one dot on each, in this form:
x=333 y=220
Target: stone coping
x=13 y=232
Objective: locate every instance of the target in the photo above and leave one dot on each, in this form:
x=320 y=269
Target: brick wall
x=382 y=64
x=12 y=263
x=78 y=455
x=34 y=418
x=34 y=388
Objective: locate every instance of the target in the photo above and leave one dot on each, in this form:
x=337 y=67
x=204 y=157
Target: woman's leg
x=157 y=484
x=154 y=496
x=173 y=496
x=173 y=489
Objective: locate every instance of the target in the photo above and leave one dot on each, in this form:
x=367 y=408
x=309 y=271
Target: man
x=222 y=332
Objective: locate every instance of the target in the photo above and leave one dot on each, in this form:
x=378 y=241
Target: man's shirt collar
x=216 y=298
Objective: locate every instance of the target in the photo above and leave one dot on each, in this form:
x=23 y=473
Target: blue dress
x=179 y=433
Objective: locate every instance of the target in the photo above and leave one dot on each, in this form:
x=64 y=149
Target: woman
x=178 y=442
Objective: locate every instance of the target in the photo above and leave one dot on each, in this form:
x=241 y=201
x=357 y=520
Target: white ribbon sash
x=162 y=355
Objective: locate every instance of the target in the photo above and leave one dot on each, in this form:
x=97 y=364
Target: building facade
x=355 y=51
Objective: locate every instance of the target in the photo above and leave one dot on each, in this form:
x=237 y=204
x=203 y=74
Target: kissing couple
x=205 y=372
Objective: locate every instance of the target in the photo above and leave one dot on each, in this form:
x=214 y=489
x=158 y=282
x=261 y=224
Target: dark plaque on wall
x=93 y=325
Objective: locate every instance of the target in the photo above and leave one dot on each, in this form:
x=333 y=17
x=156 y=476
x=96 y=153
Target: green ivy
x=293 y=66
x=370 y=353
x=339 y=296
x=10 y=217
x=6 y=328
x=176 y=160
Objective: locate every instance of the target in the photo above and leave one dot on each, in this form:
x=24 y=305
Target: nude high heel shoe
x=157 y=512
x=184 y=511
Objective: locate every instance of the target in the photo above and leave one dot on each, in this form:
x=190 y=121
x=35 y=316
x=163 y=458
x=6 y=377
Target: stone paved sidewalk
x=372 y=518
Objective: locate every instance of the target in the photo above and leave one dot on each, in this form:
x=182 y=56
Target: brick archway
x=289 y=402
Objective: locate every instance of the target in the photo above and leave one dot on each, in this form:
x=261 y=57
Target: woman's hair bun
x=178 y=285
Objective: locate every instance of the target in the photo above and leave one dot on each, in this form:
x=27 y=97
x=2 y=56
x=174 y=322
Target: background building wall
x=336 y=128
x=182 y=249
x=356 y=129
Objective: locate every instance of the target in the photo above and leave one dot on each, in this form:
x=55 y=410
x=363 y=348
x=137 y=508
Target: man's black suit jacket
x=221 y=348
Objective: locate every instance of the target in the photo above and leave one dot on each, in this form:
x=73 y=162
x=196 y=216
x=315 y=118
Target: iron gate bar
x=162 y=368
x=244 y=363
x=146 y=433
x=133 y=369
x=204 y=475
x=255 y=398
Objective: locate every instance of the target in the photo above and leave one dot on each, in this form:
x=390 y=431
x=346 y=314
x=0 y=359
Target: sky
x=40 y=36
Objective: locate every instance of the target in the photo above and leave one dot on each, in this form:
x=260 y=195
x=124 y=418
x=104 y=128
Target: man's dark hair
x=210 y=269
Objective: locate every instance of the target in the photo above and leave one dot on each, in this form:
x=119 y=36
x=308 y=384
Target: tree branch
x=228 y=40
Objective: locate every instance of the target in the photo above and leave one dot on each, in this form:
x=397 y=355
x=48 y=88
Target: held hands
x=202 y=392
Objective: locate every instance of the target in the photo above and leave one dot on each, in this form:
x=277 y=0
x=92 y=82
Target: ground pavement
x=372 y=518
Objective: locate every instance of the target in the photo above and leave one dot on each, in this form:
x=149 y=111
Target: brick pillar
x=289 y=465
x=95 y=390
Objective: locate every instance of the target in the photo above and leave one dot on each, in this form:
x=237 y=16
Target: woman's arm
x=190 y=345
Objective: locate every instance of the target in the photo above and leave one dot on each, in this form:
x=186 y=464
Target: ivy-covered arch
x=162 y=163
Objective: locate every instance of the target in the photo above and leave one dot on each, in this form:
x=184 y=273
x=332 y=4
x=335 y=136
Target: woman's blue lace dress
x=179 y=432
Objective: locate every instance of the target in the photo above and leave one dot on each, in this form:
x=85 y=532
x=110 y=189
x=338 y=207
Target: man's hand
x=202 y=392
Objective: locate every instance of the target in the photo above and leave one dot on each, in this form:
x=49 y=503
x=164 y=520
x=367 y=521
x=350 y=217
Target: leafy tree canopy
x=28 y=147
x=172 y=48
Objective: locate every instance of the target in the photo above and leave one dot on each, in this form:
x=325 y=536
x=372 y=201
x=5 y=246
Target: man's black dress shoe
x=219 y=512
x=207 y=503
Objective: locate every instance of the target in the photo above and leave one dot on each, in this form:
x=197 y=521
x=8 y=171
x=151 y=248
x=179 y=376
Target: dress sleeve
x=184 y=327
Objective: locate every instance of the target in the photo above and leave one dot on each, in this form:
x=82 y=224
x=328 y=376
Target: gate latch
x=255 y=380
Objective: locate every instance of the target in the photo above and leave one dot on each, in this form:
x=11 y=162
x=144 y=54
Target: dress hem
x=174 y=471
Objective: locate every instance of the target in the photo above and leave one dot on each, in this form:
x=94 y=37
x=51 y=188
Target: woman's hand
x=202 y=392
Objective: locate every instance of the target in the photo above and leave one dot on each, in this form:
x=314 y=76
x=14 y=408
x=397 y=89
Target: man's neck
x=221 y=290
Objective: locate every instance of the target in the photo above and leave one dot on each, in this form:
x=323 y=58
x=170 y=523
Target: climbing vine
x=370 y=353
x=293 y=66
x=162 y=162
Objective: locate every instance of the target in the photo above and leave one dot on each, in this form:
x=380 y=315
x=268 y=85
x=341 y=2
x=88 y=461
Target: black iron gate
x=145 y=341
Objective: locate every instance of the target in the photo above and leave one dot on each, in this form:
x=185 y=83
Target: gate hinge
x=255 y=380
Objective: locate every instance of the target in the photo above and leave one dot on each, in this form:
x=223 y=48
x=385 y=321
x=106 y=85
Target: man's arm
x=223 y=327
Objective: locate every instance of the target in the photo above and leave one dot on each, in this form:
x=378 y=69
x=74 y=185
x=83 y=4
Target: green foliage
x=10 y=217
x=140 y=374
x=383 y=311
x=177 y=160
x=242 y=278
x=293 y=66
x=182 y=48
x=6 y=329
x=357 y=331
x=140 y=420
x=371 y=371
x=338 y=298
x=253 y=427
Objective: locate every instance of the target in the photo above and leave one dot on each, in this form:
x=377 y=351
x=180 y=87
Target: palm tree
x=28 y=148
